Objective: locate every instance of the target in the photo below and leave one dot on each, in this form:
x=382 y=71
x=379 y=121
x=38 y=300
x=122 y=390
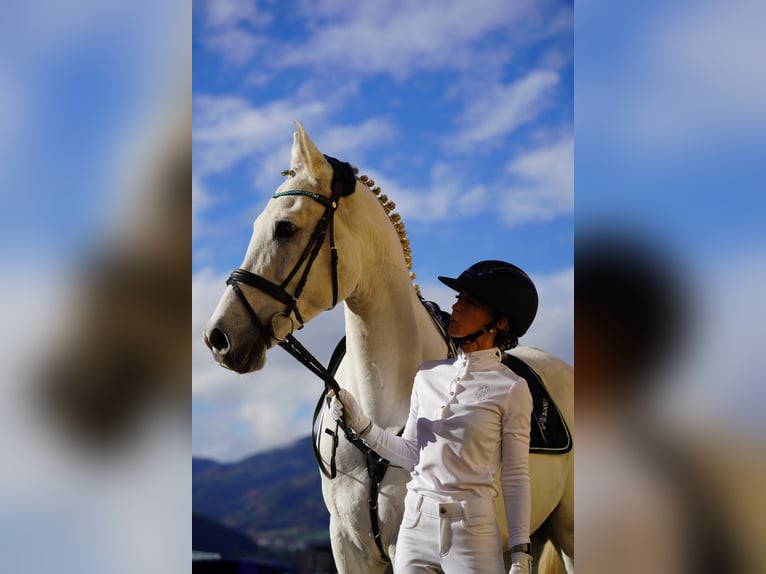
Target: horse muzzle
x=240 y=359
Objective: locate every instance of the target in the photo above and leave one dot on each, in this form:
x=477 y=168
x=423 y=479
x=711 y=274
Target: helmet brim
x=453 y=283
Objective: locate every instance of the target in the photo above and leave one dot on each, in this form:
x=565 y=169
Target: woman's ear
x=502 y=323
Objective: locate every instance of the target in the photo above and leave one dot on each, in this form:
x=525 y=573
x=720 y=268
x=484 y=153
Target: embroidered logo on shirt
x=482 y=392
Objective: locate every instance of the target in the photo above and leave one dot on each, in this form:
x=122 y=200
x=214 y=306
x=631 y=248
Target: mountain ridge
x=271 y=497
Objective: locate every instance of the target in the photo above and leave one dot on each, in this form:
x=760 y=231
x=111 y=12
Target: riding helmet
x=503 y=287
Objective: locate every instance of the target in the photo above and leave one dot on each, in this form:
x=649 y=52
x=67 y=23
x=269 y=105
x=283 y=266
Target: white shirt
x=468 y=416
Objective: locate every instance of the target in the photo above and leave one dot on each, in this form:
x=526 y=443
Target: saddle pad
x=549 y=434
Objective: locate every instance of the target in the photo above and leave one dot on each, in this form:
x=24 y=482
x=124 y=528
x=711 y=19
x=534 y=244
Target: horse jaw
x=305 y=155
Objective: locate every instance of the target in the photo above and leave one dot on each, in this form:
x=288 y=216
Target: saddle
x=549 y=433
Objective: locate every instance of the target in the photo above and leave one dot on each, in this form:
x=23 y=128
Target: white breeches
x=451 y=537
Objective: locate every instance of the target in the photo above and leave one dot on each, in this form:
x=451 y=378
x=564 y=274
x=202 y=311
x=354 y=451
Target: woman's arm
x=399 y=450
x=514 y=478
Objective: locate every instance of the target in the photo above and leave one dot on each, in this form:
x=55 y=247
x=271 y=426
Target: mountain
x=211 y=536
x=268 y=496
x=202 y=464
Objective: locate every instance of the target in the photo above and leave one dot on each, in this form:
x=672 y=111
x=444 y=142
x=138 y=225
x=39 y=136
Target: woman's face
x=468 y=315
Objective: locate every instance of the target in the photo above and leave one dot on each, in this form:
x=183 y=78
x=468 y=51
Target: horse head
x=291 y=271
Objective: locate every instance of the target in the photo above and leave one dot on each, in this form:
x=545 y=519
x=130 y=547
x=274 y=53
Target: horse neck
x=388 y=335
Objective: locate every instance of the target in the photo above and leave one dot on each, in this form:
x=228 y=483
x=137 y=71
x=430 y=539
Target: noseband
x=343 y=183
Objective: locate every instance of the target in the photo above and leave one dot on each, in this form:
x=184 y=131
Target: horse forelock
x=343 y=174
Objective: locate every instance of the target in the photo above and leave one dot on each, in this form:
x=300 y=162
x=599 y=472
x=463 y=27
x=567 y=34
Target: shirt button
x=443 y=406
x=442 y=510
x=452 y=393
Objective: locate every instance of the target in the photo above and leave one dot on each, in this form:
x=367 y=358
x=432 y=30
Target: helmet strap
x=472 y=337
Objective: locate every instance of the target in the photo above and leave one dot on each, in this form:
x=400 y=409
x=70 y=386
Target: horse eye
x=284 y=230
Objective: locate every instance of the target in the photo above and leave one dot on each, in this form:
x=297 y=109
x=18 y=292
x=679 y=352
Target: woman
x=469 y=416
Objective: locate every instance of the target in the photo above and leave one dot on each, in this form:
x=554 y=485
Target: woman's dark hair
x=505 y=339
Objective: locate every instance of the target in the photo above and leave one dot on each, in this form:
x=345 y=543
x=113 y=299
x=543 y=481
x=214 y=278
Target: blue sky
x=462 y=112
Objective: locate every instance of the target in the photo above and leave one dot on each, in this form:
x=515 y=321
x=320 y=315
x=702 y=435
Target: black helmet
x=503 y=287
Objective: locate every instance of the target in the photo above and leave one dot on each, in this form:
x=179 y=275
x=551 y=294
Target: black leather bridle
x=343 y=183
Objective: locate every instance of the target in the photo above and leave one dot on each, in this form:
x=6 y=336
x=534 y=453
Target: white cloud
x=227 y=129
x=542 y=189
x=409 y=36
x=347 y=141
x=543 y=184
x=229 y=25
x=445 y=196
x=398 y=38
x=235 y=46
x=230 y=13
x=499 y=110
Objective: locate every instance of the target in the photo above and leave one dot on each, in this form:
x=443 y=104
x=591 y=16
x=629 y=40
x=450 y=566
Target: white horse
x=288 y=277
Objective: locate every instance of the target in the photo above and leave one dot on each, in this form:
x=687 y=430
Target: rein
x=376 y=464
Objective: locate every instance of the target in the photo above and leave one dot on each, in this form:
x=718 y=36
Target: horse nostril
x=218 y=340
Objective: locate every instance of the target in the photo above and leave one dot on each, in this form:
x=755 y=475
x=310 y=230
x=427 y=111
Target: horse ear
x=305 y=153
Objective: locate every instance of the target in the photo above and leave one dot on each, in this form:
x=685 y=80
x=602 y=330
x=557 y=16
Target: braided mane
x=396 y=221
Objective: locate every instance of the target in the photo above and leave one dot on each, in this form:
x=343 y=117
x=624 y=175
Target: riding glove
x=521 y=563
x=356 y=420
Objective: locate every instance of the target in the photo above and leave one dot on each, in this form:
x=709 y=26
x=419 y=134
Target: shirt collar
x=480 y=360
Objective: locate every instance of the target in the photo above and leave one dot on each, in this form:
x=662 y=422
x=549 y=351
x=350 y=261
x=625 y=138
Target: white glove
x=521 y=563
x=356 y=420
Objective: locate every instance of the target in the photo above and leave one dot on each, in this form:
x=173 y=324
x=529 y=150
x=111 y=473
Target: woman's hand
x=521 y=563
x=356 y=420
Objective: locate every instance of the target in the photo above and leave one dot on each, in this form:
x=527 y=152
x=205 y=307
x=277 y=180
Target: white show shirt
x=468 y=415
